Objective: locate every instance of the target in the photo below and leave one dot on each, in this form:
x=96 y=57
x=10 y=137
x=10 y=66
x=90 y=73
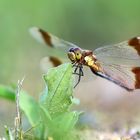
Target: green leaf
x=30 y=107
x=65 y=122
x=56 y=101
x=7 y=93
x=32 y=111
x=9 y=134
x=57 y=96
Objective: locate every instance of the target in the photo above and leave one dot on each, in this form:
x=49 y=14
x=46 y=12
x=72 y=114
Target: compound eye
x=71 y=56
x=78 y=55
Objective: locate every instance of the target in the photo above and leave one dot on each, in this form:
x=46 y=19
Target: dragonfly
x=118 y=63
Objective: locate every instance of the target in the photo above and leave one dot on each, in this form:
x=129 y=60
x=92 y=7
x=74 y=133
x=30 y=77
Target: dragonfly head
x=75 y=54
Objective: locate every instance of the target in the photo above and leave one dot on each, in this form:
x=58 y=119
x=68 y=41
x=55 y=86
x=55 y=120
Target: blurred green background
x=89 y=24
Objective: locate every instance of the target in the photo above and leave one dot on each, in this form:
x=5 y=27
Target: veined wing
x=127 y=77
x=50 y=40
x=120 y=63
x=125 y=53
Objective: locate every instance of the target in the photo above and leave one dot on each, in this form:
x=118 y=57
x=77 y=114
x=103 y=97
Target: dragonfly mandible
x=119 y=63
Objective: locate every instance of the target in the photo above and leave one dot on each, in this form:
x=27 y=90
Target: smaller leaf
x=9 y=133
x=63 y=124
x=32 y=111
x=46 y=116
x=7 y=93
x=66 y=121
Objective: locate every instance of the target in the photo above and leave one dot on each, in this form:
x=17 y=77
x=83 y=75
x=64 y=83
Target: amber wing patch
x=55 y=61
x=136 y=71
x=46 y=37
x=135 y=43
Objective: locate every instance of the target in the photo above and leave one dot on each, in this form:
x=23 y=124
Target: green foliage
x=57 y=97
x=56 y=102
x=51 y=116
x=8 y=133
x=32 y=109
x=7 y=93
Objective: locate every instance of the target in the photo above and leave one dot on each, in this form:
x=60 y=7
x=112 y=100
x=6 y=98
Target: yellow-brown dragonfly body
x=119 y=63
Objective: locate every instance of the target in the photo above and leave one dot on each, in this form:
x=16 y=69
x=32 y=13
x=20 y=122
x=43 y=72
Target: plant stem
x=18 y=122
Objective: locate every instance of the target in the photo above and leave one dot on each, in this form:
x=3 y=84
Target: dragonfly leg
x=81 y=71
x=74 y=64
x=79 y=74
x=77 y=67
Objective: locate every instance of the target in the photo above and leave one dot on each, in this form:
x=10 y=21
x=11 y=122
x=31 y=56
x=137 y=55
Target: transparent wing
x=120 y=63
x=49 y=62
x=50 y=40
x=54 y=56
x=126 y=53
x=127 y=77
